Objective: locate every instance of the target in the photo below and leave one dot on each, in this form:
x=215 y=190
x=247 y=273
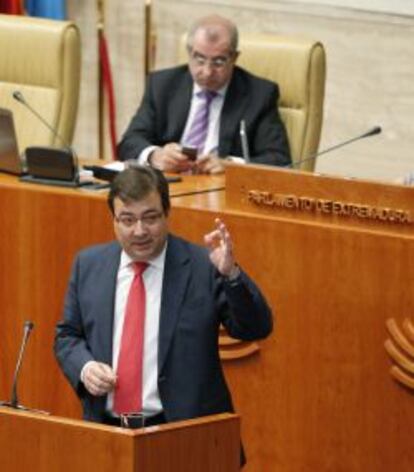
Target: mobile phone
x=190 y=152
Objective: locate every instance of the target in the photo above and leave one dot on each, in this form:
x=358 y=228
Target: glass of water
x=132 y=420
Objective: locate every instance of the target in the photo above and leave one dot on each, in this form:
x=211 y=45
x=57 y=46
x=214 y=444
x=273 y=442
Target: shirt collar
x=157 y=262
x=221 y=92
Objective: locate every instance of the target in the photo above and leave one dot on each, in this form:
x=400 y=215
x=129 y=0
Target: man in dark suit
x=189 y=291
x=167 y=116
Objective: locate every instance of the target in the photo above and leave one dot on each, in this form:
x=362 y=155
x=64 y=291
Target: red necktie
x=128 y=393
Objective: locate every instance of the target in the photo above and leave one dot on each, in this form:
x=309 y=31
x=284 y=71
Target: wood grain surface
x=41 y=443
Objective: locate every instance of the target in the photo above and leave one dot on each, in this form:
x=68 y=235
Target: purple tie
x=197 y=133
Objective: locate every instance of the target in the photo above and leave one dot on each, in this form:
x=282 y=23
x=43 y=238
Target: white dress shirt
x=153 y=276
x=211 y=144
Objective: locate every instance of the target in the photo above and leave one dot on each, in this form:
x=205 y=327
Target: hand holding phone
x=190 y=152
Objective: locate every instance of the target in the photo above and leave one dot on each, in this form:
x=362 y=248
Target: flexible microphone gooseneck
x=14 y=401
x=372 y=132
x=244 y=141
x=17 y=95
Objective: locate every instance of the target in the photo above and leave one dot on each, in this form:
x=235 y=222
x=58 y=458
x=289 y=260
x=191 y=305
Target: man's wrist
x=233 y=278
x=145 y=153
x=152 y=158
x=83 y=371
x=149 y=159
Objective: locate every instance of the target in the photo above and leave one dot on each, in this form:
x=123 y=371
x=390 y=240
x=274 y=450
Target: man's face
x=211 y=63
x=141 y=227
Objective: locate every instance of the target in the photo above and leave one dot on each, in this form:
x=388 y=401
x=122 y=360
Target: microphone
x=372 y=132
x=244 y=141
x=17 y=95
x=14 y=402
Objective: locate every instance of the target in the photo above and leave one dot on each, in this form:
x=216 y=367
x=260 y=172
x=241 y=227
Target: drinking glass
x=132 y=420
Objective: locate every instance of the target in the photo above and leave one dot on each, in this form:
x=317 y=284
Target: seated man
x=201 y=105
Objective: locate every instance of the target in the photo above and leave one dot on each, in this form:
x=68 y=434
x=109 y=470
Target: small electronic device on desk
x=190 y=152
x=109 y=172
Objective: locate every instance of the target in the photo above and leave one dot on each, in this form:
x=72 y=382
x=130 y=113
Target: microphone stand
x=14 y=402
x=371 y=132
x=18 y=96
x=244 y=142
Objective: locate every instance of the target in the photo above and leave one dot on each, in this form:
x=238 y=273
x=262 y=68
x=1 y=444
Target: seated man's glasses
x=218 y=62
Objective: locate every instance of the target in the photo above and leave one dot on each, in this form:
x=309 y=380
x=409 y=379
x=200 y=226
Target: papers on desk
x=107 y=172
x=115 y=165
x=236 y=160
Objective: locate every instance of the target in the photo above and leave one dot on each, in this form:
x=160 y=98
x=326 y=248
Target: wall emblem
x=231 y=349
x=400 y=348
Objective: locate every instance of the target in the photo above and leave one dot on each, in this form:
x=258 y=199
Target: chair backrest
x=41 y=59
x=297 y=65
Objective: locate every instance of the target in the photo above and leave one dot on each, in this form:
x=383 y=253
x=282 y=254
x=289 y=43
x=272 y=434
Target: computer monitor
x=10 y=160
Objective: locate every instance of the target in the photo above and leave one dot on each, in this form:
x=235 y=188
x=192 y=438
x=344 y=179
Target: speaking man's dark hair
x=135 y=183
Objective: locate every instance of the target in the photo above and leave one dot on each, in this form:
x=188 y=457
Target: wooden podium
x=39 y=443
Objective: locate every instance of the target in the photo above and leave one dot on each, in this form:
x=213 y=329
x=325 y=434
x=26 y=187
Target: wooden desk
x=316 y=395
x=188 y=185
x=41 y=443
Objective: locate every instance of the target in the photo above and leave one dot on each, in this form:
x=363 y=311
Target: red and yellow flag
x=108 y=88
x=13 y=7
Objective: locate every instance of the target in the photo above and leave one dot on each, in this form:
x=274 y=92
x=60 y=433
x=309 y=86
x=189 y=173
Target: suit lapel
x=180 y=106
x=176 y=278
x=234 y=107
x=106 y=281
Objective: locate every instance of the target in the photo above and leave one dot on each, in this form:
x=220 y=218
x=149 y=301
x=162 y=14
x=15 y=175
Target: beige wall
x=402 y=7
x=370 y=77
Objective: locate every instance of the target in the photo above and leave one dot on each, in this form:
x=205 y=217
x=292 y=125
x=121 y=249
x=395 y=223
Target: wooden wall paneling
x=318 y=394
x=41 y=230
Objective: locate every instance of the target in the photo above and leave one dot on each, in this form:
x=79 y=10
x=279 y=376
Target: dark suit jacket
x=195 y=300
x=163 y=112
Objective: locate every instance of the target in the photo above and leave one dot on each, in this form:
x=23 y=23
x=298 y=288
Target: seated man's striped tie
x=197 y=133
